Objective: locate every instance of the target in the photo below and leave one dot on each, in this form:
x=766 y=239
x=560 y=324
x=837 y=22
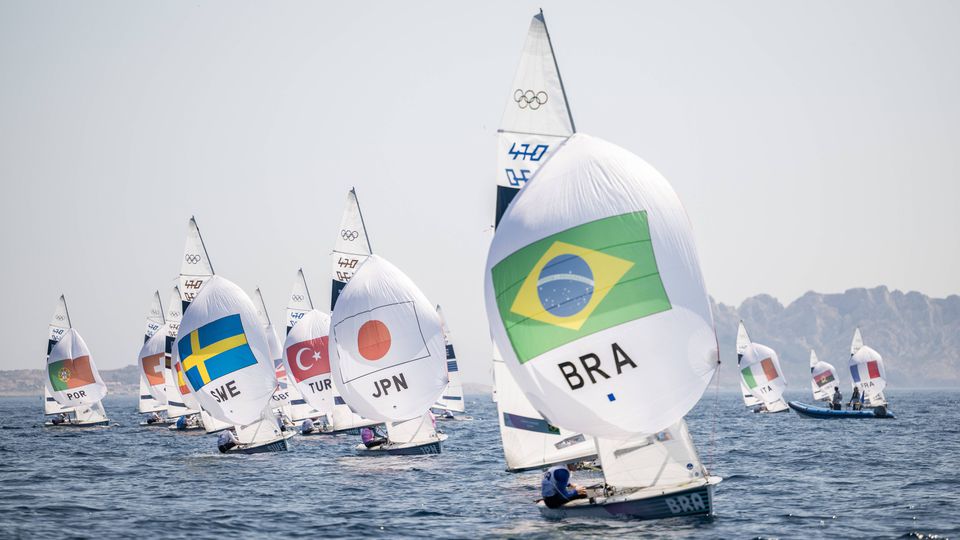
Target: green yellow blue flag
x=577 y=282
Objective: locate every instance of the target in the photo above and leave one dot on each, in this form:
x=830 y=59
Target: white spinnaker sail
x=868 y=373
x=386 y=347
x=195 y=268
x=530 y=441
x=152 y=361
x=856 y=342
x=281 y=396
x=452 y=397
x=536 y=119
x=307 y=360
x=223 y=352
x=350 y=248
x=667 y=458
x=299 y=302
x=823 y=378
x=59 y=324
x=761 y=373
x=593 y=268
x=72 y=376
x=749 y=400
x=179 y=400
x=414 y=431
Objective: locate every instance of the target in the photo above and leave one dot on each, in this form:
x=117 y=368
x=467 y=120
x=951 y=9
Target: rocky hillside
x=918 y=336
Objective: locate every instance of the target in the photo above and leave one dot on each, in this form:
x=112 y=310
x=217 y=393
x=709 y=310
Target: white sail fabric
x=264 y=429
x=749 y=400
x=223 y=352
x=180 y=402
x=868 y=373
x=155 y=319
x=307 y=360
x=72 y=376
x=59 y=324
x=299 y=302
x=414 y=431
x=667 y=458
x=387 y=354
x=856 y=343
x=536 y=119
x=452 y=397
x=184 y=397
x=350 y=248
x=742 y=340
x=761 y=373
x=824 y=378
x=211 y=424
x=91 y=413
x=195 y=268
x=595 y=296
x=152 y=361
x=343 y=417
x=529 y=440
x=50 y=405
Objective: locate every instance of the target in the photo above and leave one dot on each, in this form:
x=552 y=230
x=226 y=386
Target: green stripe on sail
x=53 y=372
x=578 y=282
x=748 y=377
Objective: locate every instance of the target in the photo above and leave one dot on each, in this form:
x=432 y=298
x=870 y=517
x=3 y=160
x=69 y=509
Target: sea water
x=784 y=476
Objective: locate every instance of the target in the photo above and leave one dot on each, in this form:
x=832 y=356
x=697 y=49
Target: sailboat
x=223 y=352
x=749 y=400
x=387 y=356
x=183 y=411
x=282 y=395
x=451 y=400
x=72 y=381
x=761 y=374
x=299 y=304
x=824 y=378
x=152 y=361
x=867 y=371
x=536 y=121
x=350 y=249
x=307 y=363
x=596 y=300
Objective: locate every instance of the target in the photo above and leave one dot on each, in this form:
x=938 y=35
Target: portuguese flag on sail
x=71 y=373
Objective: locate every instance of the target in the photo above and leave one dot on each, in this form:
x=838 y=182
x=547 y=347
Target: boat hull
x=405 y=449
x=278 y=445
x=696 y=501
x=819 y=412
x=78 y=424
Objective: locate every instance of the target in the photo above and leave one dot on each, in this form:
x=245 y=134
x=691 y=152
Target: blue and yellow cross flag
x=215 y=349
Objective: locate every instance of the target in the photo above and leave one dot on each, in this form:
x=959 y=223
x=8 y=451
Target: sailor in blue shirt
x=556 y=488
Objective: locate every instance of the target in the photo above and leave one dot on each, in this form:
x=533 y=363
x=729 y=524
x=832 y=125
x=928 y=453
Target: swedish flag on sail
x=577 y=282
x=214 y=350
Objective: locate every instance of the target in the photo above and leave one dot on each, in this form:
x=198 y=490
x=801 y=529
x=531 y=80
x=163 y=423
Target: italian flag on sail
x=769 y=371
x=71 y=373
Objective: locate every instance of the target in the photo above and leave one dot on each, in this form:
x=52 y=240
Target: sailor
x=182 y=423
x=59 y=419
x=855 y=398
x=556 y=488
x=154 y=418
x=226 y=440
x=307 y=426
x=370 y=437
x=837 y=399
x=863 y=398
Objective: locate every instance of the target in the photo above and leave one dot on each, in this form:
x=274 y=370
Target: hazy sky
x=815 y=145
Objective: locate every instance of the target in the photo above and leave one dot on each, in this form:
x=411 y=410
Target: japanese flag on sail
x=224 y=355
x=72 y=377
x=153 y=359
x=867 y=371
x=595 y=296
x=387 y=351
x=307 y=359
x=761 y=373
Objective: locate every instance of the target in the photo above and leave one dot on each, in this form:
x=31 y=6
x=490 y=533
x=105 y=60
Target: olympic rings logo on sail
x=191 y=258
x=349 y=236
x=59 y=317
x=530 y=99
x=297 y=297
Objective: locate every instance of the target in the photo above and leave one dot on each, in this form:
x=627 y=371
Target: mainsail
x=152 y=359
x=195 y=268
x=59 y=324
x=419 y=430
x=224 y=355
x=452 y=397
x=824 y=378
x=281 y=396
x=179 y=400
x=749 y=400
x=351 y=247
x=387 y=354
x=533 y=126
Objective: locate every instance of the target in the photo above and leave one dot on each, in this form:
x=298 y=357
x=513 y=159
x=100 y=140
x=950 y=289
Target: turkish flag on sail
x=309 y=358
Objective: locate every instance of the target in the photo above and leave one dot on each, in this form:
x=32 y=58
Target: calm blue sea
x=785 y=477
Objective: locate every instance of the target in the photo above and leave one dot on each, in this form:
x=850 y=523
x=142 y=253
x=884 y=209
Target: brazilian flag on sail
x=578 y=282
